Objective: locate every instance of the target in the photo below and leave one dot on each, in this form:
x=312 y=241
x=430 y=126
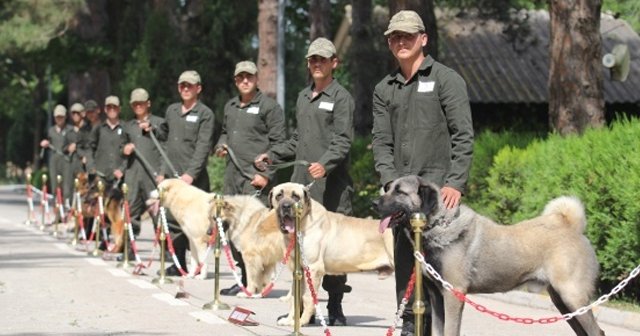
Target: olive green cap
x=59 y=111
x=321 y=47
x=406 y=21
x=112 y=100
x=246 y=66
x=189 y=76
x=139 y=95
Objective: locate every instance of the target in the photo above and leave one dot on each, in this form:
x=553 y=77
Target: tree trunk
x=575 y=74
x=426 y=10
x=320 y=19
x=268 y=46
x=363 y=57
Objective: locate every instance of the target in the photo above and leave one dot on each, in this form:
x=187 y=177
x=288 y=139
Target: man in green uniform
x=59 y=163
x=253 y=123
x=92 y=113
x=188 y=128
x=77 y=146
x=422 y=126
x=143 y=157
x=106 y=142
x=324 y=112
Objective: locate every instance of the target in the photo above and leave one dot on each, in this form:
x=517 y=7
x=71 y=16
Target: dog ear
x=430 y=198
x=307 y=197
x=269 y=202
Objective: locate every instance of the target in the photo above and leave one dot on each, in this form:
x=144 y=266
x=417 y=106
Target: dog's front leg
x=288 y=320
x=437 y=308
x=453 y=314
x=309 y=308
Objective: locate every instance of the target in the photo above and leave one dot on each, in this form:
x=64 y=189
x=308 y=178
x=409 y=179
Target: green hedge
x=601 y=167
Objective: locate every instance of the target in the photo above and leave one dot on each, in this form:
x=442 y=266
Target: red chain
x=407 y=295
x=501 y=316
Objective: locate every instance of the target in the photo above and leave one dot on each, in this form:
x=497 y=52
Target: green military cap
x=139 y=95
x=90 y=105
x=189 y=76
x=406 y=21
x=112 y=100
x=246 y=66
x=321 y=47
x=59 y=111
x=77 y=107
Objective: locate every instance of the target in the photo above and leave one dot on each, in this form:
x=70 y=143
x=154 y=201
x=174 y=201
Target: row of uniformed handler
x=422 y=126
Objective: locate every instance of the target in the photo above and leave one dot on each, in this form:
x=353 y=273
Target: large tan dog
x=253 y=229
x=333 y=243
x=193 y=209
x=476 y=255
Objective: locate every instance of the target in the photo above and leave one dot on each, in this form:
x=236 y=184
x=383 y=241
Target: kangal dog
x=333 y=243
x=194 y=210
x=476 y=255
x=253 y=229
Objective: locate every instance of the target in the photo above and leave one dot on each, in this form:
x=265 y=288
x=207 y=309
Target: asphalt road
x=48 y=287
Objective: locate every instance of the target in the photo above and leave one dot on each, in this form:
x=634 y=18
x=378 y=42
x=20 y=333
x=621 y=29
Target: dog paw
x=201 y=276
x=285 y=321
x=241 y=294
x=285 y=298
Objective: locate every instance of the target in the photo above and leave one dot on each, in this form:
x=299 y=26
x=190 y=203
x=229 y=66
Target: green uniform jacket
x=106 y=144
x=249 y=131
x=136 y=169
x=324 y=134
x=59 y=164
x=423 y=126
x=80 y=136
x=189 y=140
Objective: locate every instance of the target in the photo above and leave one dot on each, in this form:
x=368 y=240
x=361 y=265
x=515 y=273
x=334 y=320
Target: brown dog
x=113 y=200
x=476 y=255
x=333 y=243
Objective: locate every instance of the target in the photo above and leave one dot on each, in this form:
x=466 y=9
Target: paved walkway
x=48 y=287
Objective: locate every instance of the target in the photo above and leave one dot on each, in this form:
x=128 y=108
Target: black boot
x=334 y=306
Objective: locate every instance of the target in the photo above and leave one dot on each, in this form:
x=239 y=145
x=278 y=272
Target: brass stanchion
x=58 y=206
x=30 y=210
x=297 y=273
x=97 y=223
x=162 y=279
x=418 y=221
x=217 y=304
x=44 y=200
x=78 y=209
x=125 y=233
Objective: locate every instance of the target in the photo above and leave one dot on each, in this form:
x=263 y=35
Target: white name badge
x=253 y=110
x=326 y=106
x=426 y=86
x=119 y=131
x=192 y=118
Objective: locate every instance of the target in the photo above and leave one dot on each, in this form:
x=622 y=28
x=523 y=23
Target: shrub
x=600 y=167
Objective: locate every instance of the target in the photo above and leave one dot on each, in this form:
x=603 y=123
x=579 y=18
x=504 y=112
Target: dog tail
x=571 y=209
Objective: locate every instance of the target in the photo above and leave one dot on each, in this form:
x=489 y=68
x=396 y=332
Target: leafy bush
x=600 y=167
x=366 y=181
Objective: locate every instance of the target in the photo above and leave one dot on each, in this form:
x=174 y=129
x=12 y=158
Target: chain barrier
x=523 y=320
x=32 y=219
x=403 y=303
x=60 y=203
x=165 y=225
x=129 y=227
x=312 y=290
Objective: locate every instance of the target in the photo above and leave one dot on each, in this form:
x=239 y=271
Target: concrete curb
x=616 y=317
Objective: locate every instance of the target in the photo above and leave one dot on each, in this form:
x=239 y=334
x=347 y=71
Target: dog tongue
x=384 y=223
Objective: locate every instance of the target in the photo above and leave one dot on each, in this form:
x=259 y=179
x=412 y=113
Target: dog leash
x=163 y=154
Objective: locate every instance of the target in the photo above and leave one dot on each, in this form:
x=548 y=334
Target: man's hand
x=71 y=148
x=221 y=151
x=128 y=149
x=187 y=178
x=450 y=197
x=316 y=170
x=259 y=181
x=159 y=178
x=261 y=161
x=118 y=173
x=44 y=143
x=145 y=125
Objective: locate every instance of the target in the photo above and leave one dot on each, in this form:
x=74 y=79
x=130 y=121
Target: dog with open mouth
x=332 y=243
x=476 y=255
